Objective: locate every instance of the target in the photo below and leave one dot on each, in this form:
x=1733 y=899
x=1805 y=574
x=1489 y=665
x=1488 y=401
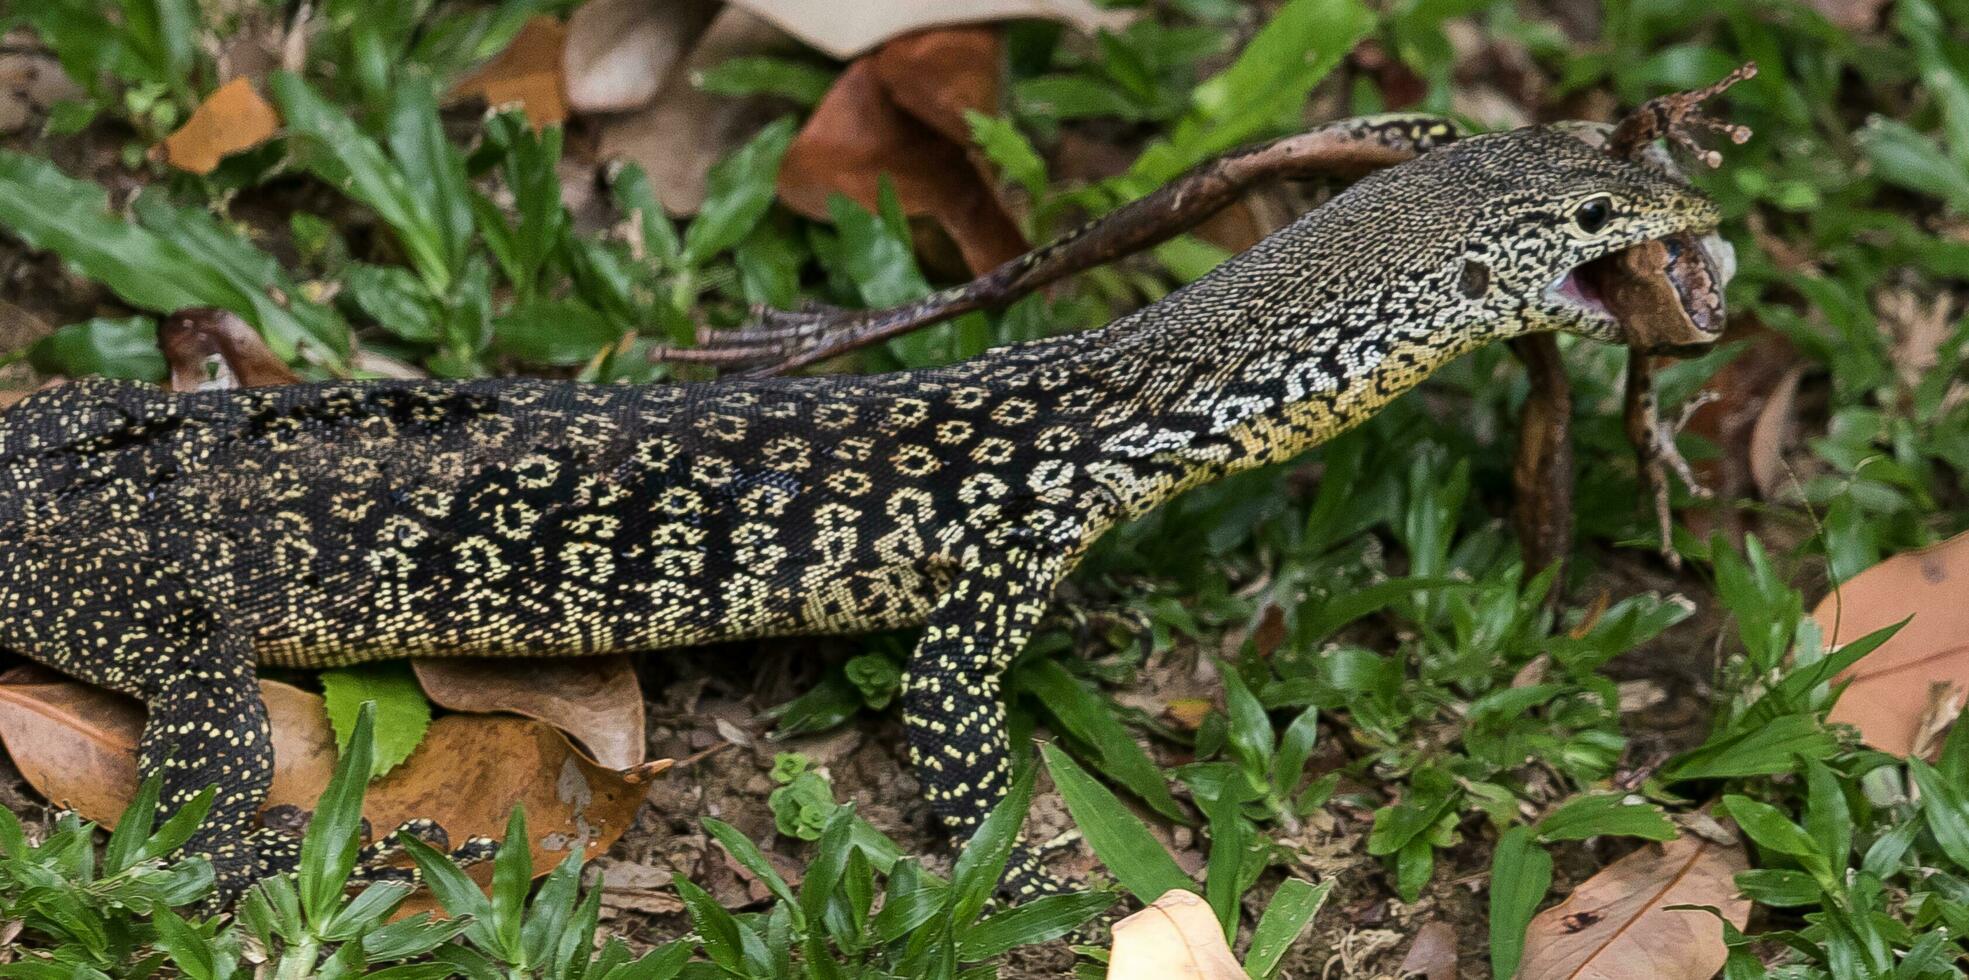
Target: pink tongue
x=1569 y=288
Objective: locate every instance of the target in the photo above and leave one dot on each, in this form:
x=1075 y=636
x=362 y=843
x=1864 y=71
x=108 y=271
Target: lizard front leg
x=133 y=623
x=952 y=711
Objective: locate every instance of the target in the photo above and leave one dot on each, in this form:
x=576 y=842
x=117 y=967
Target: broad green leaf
x=1827 y=817
x=512 y=874
x=982 y=862
x=1780 y=887
x=328 y=849
x=1945 y=811
x=796 y=81
x=1520 y=874
x=402 y=712
x=125 y=348
x=553 y=331
x=1036 y=921
x=336 y=150
x=126 y=842
x=1090 y=718
x=746 y=853
x=1768 y=826
x=1593 y=814
x=1286 y=917
x=1766 y=750
x=738 y=191
x=1117 y=837
x=1009 y=149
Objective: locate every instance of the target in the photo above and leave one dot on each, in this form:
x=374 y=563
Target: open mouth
x=1663 y=294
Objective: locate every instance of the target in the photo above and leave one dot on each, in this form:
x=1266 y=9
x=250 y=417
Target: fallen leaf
x=619 y=52
x=1617 y=924
x=1433 y=955
x=899 y=113
x=1770 y=433
x=1176 y=938
x=1890 y=688
x=594 y=700
x=845 y=30
x=677 y=138
x=232 y=119
x=528 y=73
x=76 y=745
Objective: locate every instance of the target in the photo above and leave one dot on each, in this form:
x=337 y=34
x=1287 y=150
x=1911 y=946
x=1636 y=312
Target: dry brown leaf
x=619 y=52
x=595 y=700
x=679 y=136
x=232 y=119
x=1433 y=954
x=1770 y=432
x=76 y=745
x=1616 y=924
x=1890 y=687
x=899 y=113
x=845 y=30
x=188 y=338
x=1176 y=938
x=528 y=72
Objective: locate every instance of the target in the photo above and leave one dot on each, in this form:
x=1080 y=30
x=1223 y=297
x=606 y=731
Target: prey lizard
x=164 y=545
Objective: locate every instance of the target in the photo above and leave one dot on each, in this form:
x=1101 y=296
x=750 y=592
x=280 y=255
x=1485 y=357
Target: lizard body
x=163 y=545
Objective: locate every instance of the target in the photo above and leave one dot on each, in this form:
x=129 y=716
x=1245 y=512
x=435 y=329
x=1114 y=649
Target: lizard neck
x=1280 y=349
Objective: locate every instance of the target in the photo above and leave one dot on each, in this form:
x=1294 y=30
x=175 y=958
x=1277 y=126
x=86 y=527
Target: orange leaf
x=234 y=118
x=528 y=72
x=1177 y=938
x=1891 y=687
x=1617 y=924
x=76 y=744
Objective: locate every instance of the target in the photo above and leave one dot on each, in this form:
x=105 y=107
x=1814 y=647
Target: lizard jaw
x=1579 y=292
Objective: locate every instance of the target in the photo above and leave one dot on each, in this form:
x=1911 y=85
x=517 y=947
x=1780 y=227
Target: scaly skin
x=163 y=545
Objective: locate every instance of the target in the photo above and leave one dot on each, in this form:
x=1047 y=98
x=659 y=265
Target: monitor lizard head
x=1543 y=222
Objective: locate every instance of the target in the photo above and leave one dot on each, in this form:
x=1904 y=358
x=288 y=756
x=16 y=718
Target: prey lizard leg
x=952 y=710
x=133 y=623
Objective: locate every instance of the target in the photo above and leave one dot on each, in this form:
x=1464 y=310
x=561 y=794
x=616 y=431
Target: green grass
x=1400 y=612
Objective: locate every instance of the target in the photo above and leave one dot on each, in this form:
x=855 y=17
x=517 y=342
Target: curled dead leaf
x=1618 y=924
x=1890 y=688
x=76 y=745
x=900 y=113
x=593 y=700
x=1176 y=938
x=1770 y=432
x=232 y=119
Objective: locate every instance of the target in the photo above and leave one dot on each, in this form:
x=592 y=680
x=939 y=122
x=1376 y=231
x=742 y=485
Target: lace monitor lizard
x=165 y=544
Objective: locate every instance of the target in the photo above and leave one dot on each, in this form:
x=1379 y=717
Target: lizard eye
x=1593 y=214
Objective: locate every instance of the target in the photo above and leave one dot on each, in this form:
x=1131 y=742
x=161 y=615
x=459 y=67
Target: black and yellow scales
x=164 y=544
